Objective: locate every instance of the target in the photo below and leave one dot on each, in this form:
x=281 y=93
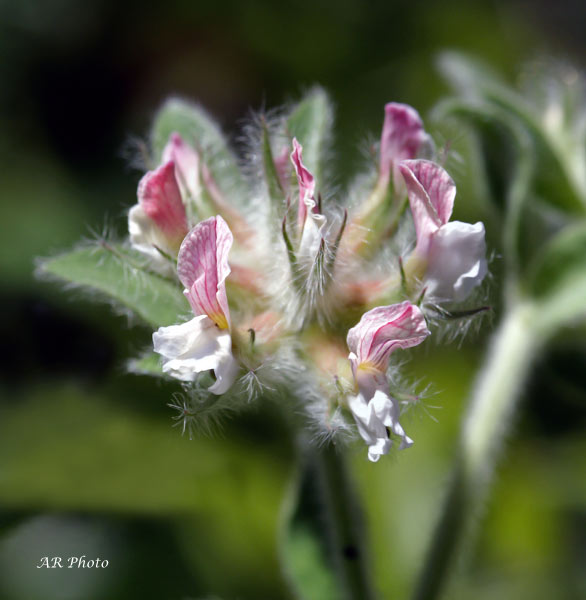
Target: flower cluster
x=318 y=294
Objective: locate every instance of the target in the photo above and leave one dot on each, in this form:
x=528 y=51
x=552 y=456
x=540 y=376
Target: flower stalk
x=514 y=347
x=344 y=520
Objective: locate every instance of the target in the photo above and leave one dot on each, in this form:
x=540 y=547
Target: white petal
x=312 y=233
x=374 y=410
x=195 y=346
x=144 y=236
x=457 y=260
x=387 y=410
x=378 y=448
x=226 y=373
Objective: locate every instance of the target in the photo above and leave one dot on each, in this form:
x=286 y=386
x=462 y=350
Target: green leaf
x=115 y=272
x=558 y=278
x=311 y=123
x=199 y=130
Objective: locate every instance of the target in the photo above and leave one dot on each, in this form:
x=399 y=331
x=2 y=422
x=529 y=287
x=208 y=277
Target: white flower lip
x=373 y=415
x=195 y=346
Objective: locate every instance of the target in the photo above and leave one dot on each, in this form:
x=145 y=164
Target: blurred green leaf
x=470 y=77
x=558 y=279
x=306 y=564
x=311 y=123
x=199 y=130
x=224 y=494
x=109 y=269
x=557 y=179
x=105 y=457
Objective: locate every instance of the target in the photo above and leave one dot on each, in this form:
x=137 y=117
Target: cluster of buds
x=308 y=295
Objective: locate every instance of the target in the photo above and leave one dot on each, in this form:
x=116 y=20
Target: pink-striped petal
x=382 y=330
x=202 y=266
x=402 y=136
x=186 y=161
x=306 y=183
x=160 y=198
x=431 y=194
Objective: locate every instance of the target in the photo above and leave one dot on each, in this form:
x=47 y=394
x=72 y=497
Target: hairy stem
x=344 y=518
x=489 y=418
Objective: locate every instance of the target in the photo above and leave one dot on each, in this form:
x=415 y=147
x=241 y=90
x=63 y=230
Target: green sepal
x=310 y=122
x=199 y=130
x=271 y=177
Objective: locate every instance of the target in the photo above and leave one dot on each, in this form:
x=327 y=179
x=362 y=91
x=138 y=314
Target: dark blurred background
x=89 y=463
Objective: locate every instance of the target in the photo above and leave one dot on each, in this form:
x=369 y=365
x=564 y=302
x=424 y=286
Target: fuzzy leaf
x=110 y=269
x=199 y=130
x=558 y=279
x=311 y=122
x=271 y=177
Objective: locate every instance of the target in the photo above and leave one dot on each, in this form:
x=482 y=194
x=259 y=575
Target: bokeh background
x=89 y=462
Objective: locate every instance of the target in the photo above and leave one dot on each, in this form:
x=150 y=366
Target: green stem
x=344 y=519
x=498 y=387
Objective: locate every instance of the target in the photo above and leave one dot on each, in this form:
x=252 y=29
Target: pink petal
x=431 y=194
x=383 y=329
x=305 y=180
x=402 y=135
x=202 y=266
x=186 y=162
x=160 y=198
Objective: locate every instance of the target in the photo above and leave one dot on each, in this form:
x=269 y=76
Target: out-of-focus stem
x=496 y=392
x=344 y=518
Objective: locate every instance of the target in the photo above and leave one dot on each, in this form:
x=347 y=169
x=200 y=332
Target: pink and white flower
x=371 y=343
x=402 y=138
x=205 y=342
x=310 y=221
x=158 y=223
x=451 y=254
